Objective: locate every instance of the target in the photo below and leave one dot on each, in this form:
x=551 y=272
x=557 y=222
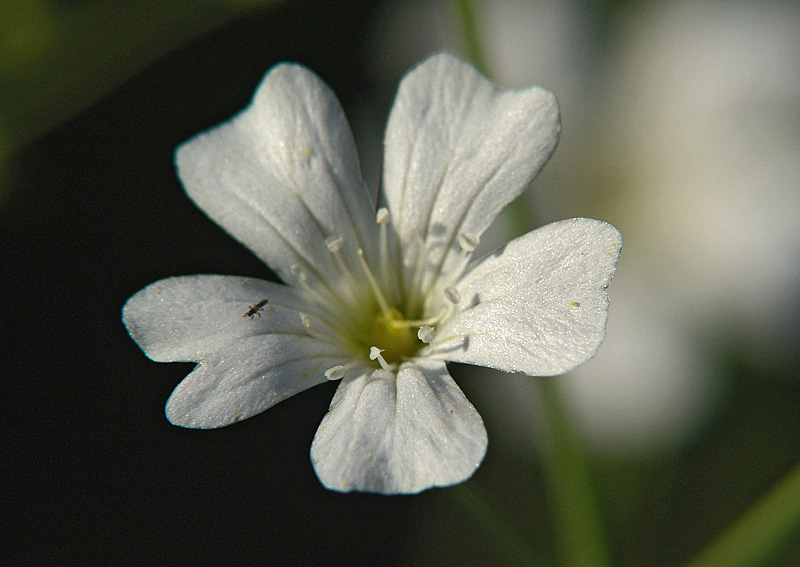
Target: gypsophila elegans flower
x=380 y=299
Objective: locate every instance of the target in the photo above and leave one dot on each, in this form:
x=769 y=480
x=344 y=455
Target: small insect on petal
x=255 y=309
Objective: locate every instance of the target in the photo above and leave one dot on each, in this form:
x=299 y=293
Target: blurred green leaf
x=56 y=59
x=485 y=512
x=467 y=20
x=577 y=514
x=760 y=533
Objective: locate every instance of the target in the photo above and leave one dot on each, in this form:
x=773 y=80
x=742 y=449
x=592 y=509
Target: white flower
x=379 y=300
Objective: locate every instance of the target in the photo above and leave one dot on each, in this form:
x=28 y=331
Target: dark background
x=98 y=475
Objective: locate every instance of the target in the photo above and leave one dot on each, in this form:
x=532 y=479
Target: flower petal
x=247 y=378
x=398 y=434
x=458 y=150
x=246 y=365
x=539 y=305
x=188 y=318
x=282 y=177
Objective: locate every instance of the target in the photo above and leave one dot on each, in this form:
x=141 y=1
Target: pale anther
x=334 y=243
x=452 y=295
x=382 y=217
x=375 y=354
x=335 y=373
x=426 y=334
x=299 y=272
x=314 y=332
x=468 y=241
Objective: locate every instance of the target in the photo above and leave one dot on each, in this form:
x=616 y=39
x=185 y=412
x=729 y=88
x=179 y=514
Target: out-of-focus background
x=681 y=126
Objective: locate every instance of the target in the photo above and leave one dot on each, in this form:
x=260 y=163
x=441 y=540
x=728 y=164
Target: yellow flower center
x=377 y=331
x=391 y=333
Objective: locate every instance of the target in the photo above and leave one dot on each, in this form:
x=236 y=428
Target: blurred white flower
x=700 y=143
x=652 y=385
x=703 y=106
x=377 y=299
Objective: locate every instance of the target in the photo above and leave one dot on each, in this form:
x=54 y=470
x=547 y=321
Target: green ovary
x=390 y=332
x=397 y=339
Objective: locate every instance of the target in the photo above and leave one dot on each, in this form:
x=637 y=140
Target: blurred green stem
x=579 y=522
x=761 y=532
x=578 y=519
x=480 y=505
x=464 y=12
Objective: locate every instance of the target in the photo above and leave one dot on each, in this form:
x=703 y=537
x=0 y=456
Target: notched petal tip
x=399 y=434
x=246 y=378
x=538 y=307
x=139 y=315
x=458 y=150
x=282 y=175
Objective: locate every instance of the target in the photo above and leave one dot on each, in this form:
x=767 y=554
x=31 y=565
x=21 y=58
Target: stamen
x=376 y=290
x=375 y=354
x=468 y=241
x=383 y=219
x=452 y=295
x=426 y=334
x=302 y=277
x=334 y=243
x=406 y=323
x=335 y=373
x=314 y=333
x=299 y=272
